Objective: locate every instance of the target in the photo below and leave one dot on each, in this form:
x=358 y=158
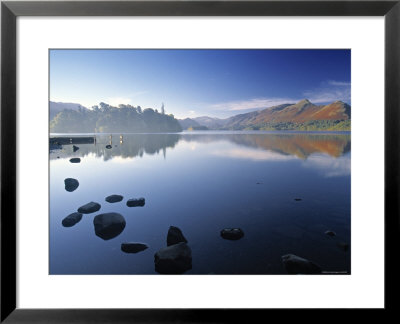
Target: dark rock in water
x=343 y=246
x=108 y=146
x=75 y=148
x=330 y=233
x=232 y=233
x=295 y=265
x=133 y=247
x=75 y=160
x=114 y=198
x=135 y=202
x=58 y=157
x=298 y=199
x=71 y=184
x=71 y=219
x=89 y=208
x=174 y=259
x=175 y=236
x=108 y=225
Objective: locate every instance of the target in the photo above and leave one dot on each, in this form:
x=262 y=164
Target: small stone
x=343 y=246
x=89 y=208
x=108 y=146
x=133 y=247
x=71 y=184
x=75 y=160
x=330 y=233
x=174 y=259
x=135 y=202
x=232 y=233
x=108 y=225
x=296 y=265
x=75 y=148
x=175 y=236
x=71 y=219
x=114 y=198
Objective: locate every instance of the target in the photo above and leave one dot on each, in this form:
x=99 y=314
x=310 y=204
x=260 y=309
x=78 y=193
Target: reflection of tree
x=300 y=145
x=130 y=146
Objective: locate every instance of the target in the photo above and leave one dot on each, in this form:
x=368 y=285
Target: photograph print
x=200 y=161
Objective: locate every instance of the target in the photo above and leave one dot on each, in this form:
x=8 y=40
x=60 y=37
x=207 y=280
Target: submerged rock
x=174 y=259
x=75 y=160
x=139 y=202
x=71 y=184
x=330 y=233
x=114 y=198
x=71 y=219
x=175 y=236
x=232 y=233
x=296 y=265
x=89 y=208
x=75 y=148
x=133 y=247
x=298 y=199
x=343 y=246
x=108 y=225
x=108 y=146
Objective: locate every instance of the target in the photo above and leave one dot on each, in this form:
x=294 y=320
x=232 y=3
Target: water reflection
x=283 y=191
x=279 y=146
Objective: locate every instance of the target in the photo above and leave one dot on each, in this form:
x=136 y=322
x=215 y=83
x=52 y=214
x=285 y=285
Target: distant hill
x=56 y=107
x=188 y=123
x=109 y=119
x=303 y=115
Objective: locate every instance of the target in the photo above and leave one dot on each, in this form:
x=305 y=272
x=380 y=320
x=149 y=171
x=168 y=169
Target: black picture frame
x=10 y=10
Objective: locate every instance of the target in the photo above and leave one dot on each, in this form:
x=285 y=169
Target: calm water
x=202 y=183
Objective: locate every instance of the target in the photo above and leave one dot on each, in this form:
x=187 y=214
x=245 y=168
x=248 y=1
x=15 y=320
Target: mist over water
x=203 y=182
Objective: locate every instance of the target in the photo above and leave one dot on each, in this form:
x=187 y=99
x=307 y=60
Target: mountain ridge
x=303 y=115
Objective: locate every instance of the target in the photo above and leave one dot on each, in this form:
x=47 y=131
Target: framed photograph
x=191 y=160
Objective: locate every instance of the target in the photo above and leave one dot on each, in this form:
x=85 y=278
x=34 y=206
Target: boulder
x=89 y=208
x=108 y=146
x=108 y=225
x=75 y=160
x=175 y=236
x=75 y=148
x=139 y=202
x=114 y=198
x=71 y=219
x=330 y=233
x=133 y=247
x=294 y=264
x=232 y=233
x=71 y=184
x=174 y=259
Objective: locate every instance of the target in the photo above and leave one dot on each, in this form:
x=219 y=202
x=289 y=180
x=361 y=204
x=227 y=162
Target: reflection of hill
x=132 y=145
x=300 y=145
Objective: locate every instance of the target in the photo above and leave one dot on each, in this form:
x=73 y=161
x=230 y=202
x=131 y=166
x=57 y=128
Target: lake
x=283 y=190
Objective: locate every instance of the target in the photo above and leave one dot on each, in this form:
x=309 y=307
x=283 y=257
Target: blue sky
x=191 y=83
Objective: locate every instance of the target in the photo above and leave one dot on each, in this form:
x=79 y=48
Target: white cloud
x=339 y=83
x=330 y=91
x=256 y=103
